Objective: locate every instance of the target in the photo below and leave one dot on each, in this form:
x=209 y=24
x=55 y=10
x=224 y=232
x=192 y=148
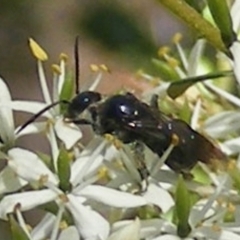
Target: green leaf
x=183 y=207
x=221 y=15
x=179 y=87
x=16 y=230
x=64 y=170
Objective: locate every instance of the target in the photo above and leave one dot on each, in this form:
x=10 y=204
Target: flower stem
x=194 y=20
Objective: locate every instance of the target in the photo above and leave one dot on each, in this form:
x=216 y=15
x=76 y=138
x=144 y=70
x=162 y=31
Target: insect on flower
x=133 y=121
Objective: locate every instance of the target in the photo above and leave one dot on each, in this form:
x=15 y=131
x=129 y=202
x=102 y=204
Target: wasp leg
x=139 y=159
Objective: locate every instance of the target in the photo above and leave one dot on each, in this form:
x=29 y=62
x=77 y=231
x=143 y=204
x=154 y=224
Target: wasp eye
x=81 y=102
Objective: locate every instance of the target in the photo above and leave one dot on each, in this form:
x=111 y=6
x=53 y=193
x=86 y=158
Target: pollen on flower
x=37 y=51
x=216 y=228
x=231 y=208
x=177 y=38
x=116 y=142
x=102 y=173
x=43 y=179
x=56 y=69
x=63 y=198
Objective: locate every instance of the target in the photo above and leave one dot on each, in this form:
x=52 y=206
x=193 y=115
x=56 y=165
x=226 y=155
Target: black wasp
x=131 y=120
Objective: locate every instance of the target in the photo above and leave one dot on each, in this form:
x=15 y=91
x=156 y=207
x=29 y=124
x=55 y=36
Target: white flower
x=90 y=224
x=6 y=116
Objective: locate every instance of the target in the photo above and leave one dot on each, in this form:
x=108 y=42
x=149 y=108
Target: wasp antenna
x=77 y=66
x=37 y=115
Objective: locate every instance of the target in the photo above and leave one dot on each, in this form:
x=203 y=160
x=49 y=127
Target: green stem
x=194 y=20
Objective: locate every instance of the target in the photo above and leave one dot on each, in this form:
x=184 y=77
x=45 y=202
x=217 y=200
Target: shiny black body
x=131 y=120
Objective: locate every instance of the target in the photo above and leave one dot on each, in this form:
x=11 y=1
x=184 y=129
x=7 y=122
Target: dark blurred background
x=124 y=35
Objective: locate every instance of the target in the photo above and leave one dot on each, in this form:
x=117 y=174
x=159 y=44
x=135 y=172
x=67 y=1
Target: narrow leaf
x=177 y=88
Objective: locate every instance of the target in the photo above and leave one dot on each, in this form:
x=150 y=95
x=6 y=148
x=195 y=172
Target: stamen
x=56 y=69
x=94 y=67
x=104 y=68
x=163 y=51
x=177 y=38
x=37 y=51
x=63 y=57
x=56 y=226
x=21 y=221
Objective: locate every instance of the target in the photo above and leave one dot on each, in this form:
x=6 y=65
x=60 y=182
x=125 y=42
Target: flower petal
x=235 y=50
x=6 y=114
x=90 y=224
x=68 y=133
x=69 y=233
x=9 y=181
x=30 y=107
x=27 y=201
x=159 y=196
x=112 y=197
x=29 y=166
x=43 y=229
x=129 y=232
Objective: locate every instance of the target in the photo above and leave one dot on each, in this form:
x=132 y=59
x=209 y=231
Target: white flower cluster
x=95 y=192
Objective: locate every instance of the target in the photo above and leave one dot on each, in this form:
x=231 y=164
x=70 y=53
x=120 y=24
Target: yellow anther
x=216 y=228
x=163 y=51
x=43 y=179
x=116 y=142
x=37 y=51
x=56 y=69
x=177 y=38
x=102 y=172
x=104 y=68
x=94 y=67
x=109 y=137
x=63 y=198
x=63 y=57
x=155 y=82
x=173 y=62
x=63 y=225
x=231 y=208
x=175 y=139
x=231 y=165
